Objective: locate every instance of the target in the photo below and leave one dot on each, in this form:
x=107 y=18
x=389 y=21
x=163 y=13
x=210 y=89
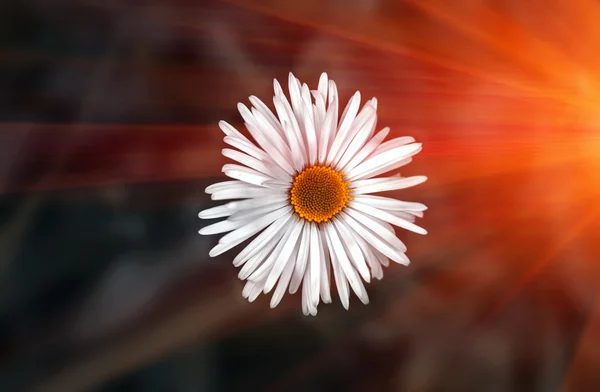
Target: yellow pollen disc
x=318 y=193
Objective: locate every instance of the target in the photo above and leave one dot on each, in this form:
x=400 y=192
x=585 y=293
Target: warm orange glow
x=318 y=193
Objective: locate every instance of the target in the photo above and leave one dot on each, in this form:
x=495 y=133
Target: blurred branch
x=212 y=316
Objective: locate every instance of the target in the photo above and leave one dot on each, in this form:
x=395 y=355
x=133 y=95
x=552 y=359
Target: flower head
x=304 y=188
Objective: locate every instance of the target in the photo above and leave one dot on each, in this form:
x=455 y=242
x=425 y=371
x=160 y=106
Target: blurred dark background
x=108 y=137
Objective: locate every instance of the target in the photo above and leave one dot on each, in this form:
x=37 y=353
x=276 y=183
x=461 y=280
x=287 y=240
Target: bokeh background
x=108 y=137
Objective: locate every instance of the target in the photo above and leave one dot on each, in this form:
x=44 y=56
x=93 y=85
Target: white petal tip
x=268 y=287
x=216 y=251
x=204 y=215
x=275 y=300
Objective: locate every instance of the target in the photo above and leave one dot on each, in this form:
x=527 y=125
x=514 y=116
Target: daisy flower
x=304 y=188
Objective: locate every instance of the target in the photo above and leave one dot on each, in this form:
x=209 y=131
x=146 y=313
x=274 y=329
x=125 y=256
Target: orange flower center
x=318 y=193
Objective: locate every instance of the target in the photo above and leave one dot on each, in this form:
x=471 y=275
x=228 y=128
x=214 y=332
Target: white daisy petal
x=366 y=120
x=258 y=211
x=349 y=270
x=254 y=226
x=393 y=155
x=342 y=258
x=333 y=103
x=358 y=140
x=247 y=175
x=247 y=192
x=260 y=241
x=301 y=261
x=323 y=82
x=386 y=168
x=284 y=280
x=224 y=185
x=261 y=167
x=286 y=113
x=328 y=129
x=383 y=260
x=277 y=88
x=258 y=202
x=340 y=279
x=237 y=206
x=222 y=227
x=230 y=131
x=306 y=304
x=233 y=167
x=325 y=274
x=320 y=109
x=346 y=121
x=265 y=268
x=311 y=136
x=301 y=189
x=386 y=216
x=281 y=158
x=385 y=184
x=284 y=256
x=308 y=291
x=266 y=112
x=360 y=290
x=404 y=215
x=353 y=250
x=387 y=203
x=367 y=149
x=240 y=235
x=418 y=214
x=387 y=234
x=216 y=212
x=246 y=114
x=272 y=133
x=305 y=93
x=376 y=242
x=315 y=268
x=296 y=148
x=249 y=148
x=386 y=225
x=255 y=291
x=394 y=143
x=265 y=253
x=247 y=289
x=370 y=257
x=295 y=96
x=292 y=133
